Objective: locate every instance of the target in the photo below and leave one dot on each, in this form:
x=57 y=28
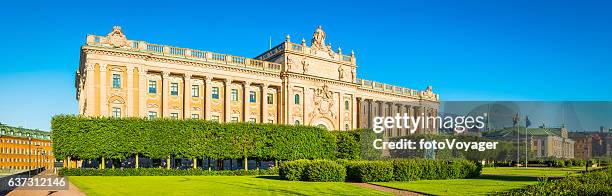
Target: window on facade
x=195 y=116
x=215 y=118
x=116 y=81
x=296 y=99
x=215 y=92
x=174 y=89
x=253 y=120
x=252 y=96
x=297 y=122
x=234 y=119
x=152 y=115
x=195 y=90
x=116 y=112
x=270 y=98
x=346 y=105
x=234 y=94
x=152 y=86
x=174 y=115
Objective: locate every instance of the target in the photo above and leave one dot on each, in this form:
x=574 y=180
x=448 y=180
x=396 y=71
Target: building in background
x=23 y=149
x=583 y=146
x=544 y=142
x=292 y=83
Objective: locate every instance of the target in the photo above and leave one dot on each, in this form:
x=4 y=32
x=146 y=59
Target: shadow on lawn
x=509 y=178
x=269 y=177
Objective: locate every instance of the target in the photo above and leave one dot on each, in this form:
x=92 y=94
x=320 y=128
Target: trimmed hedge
x=597 y=182
x=324 y=171
x=370 y=171
x=161 y=172
x=118 y=138
x=312 y=170
x=380 y=171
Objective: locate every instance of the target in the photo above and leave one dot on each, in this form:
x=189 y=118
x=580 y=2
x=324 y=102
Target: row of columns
x=90 y=91
x=373 y=108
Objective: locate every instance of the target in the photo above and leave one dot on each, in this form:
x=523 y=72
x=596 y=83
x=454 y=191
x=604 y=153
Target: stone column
x=264 y=103
x=90 y=90
x=187 y=96
x=165 y=93
x=372 y=114
x=130 y=92
x=207 y=96
x=103 y=89
x=228 y=100
x=143 y=90
x=354 y=110
x=246 y=100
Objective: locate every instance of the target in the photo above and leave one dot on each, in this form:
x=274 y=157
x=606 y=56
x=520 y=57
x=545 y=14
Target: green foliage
x=324 y=171
x=347 y=144
x=590 y=183
x=293 y=170
x=312 y=170
x=161 y=172
x=118 y=138
x=370 y=171
x=418 y=169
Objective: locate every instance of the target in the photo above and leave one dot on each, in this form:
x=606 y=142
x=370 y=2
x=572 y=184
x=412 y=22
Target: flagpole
x=518 y=140
x=526 y=144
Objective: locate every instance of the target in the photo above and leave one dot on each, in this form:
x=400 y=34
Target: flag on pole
x=515 y=120
x=527 y=122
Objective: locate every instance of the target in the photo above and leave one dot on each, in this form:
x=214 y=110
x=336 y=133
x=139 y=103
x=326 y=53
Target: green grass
x=477 y=186
x=530 y=171
x=205 y=185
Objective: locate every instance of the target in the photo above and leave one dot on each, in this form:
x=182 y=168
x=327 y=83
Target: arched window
x=346 y=105
x=296 y=99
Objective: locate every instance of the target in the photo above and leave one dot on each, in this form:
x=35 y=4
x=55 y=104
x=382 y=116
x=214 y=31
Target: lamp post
x=29 y=156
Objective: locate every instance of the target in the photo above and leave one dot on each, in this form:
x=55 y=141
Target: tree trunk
x=136 y=162
x=195 y=163
x=168 y=163
x=246 y=164
x=103 y=163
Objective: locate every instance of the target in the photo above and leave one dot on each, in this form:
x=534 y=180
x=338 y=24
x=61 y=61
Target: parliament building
x=292 y=83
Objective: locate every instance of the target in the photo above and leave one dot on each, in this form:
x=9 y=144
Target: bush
x=370 y=171
x=598 y=182
x=418 y=169
x=324 y=171
x=161 y=172
x=293 y=170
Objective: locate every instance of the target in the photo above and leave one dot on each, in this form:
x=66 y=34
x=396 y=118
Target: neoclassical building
x=292 y=83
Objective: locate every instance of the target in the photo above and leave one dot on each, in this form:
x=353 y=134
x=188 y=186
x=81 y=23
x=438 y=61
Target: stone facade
x=292 y=83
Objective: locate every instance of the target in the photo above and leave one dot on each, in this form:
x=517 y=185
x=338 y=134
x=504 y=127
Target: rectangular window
x=174 y=89
x=234 y=119
x=195 y=116
x=234 y=94
x=174 y=115
x=116 y=81
x=152 y=115
x=270 y=98
x=195 y=90
x=253 y=120
x=215 y=118
x=116 y=112
x=215 y=92
x=252 y=96
x=152 y=86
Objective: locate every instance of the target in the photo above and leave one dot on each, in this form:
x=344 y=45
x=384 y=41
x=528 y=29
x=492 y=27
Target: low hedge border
x=379 y=171
x=598 y=182
x=162 y=172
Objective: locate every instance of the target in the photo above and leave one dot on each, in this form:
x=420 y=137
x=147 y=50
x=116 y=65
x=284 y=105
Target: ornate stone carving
x=340 y=72
x=289 y=62
x=305 y=65
x=318 y=39
x=116 y=38
x=324 y=102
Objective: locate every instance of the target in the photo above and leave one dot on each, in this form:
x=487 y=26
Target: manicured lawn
x=530 y=171
x=477 y=186
x=207 y=185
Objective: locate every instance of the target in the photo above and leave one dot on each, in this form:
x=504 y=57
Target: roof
x=6 y=130
x=510 y=133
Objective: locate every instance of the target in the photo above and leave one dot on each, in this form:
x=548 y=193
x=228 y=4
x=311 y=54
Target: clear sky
x=467 y=50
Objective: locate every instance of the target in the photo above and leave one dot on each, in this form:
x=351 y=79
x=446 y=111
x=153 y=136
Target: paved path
x=72 y=190
x=387 y=189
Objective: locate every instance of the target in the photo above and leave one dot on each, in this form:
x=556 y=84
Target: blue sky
x=467 y=50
